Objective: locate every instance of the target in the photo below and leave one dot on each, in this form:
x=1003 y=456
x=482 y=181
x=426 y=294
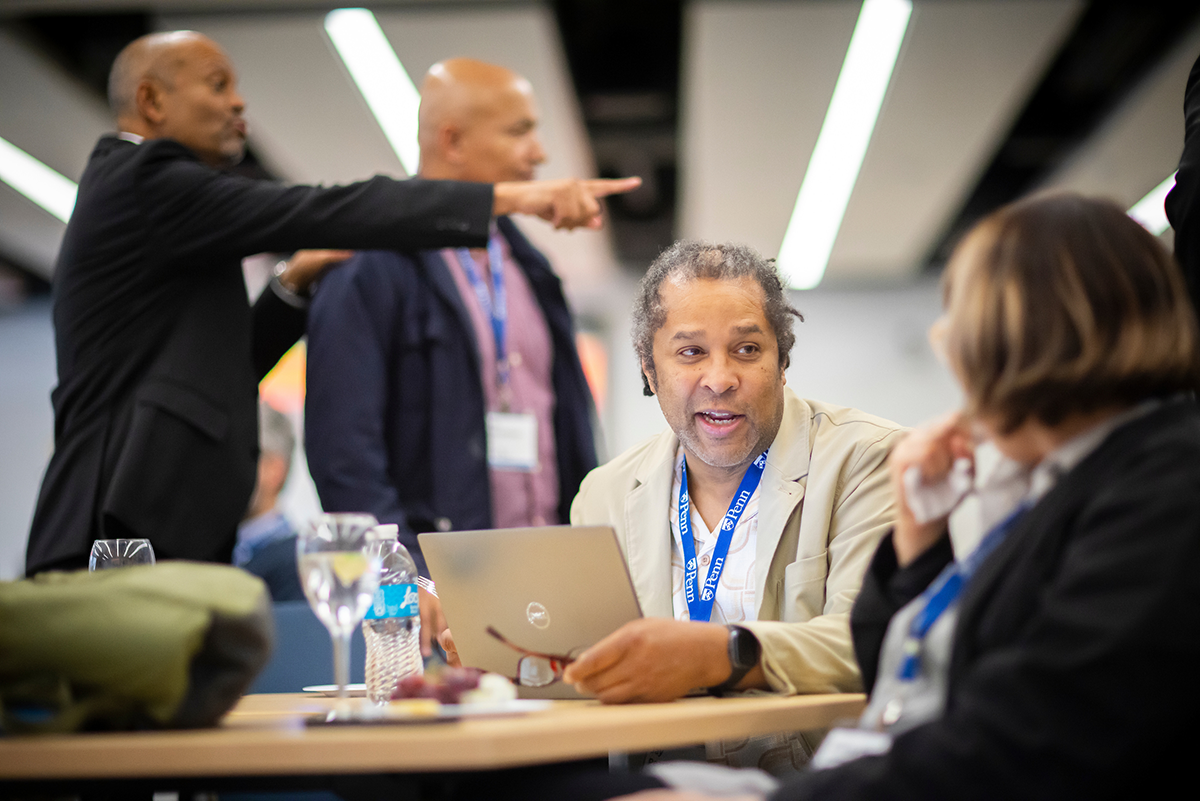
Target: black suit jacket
x=1073 y=668
x=159 y=352
x=394 y=421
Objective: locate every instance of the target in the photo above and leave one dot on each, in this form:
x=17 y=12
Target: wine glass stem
x=341 y=663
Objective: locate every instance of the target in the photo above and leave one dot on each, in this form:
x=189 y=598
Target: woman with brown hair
x=1058 y=659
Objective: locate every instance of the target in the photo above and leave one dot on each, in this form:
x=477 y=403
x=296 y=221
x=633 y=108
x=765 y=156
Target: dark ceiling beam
x=1115 y=44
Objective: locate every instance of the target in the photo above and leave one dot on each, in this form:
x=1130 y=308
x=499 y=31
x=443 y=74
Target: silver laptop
x=551 y=589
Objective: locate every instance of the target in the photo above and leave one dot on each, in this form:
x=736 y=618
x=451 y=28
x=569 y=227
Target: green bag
x=172 y=645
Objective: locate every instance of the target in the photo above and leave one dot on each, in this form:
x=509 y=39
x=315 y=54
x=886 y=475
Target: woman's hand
x=932 y=450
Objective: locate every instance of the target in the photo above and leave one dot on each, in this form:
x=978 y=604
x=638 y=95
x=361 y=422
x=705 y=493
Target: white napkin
x=933 y=501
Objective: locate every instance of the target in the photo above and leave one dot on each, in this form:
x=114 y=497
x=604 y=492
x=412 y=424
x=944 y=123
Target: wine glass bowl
x=120 y=553
x=339 y=573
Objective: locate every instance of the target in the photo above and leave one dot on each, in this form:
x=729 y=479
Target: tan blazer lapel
x=648 y=531
x=782 y=490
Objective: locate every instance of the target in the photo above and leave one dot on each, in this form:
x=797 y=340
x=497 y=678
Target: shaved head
x=477 y=122
x=155 y=56
x=181 y=86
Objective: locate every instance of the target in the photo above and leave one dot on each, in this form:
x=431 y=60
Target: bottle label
x=394 y=600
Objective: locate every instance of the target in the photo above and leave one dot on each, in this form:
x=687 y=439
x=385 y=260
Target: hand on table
x=568 y=203
x=653 y=659
x=933 y=450
x=433 y=622
x=306 y=265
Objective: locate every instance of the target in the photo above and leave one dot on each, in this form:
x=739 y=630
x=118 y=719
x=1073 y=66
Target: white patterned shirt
x=735 y=600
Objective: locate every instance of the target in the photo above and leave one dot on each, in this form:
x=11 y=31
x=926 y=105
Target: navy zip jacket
x=394 y=417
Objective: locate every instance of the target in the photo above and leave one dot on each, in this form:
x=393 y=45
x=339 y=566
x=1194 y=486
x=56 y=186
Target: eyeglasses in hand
x=535 y=669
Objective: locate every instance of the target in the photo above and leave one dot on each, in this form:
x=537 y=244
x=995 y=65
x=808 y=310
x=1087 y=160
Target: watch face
x=743 y=649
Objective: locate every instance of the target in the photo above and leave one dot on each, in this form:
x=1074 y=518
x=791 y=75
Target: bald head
x=155 y=56
x=478 y=122
x=179 y=85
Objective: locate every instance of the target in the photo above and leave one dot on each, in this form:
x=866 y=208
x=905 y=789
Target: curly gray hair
x=688 y=260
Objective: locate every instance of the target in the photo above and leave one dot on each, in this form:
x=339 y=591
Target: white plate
x=330 y=690
x=517 y=706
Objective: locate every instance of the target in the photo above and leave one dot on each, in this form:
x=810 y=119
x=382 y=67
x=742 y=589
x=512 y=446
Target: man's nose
x=538 y=156
x=720 y=374
x=238 y=103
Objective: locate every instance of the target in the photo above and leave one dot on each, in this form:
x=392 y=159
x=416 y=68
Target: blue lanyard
x=700 y=602
x=946 y=589
x=494 y=303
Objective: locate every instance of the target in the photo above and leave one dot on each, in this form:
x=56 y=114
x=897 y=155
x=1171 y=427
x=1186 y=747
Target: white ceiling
x=46 y=114
x=758 y=77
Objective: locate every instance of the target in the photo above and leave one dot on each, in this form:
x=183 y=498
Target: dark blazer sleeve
x=1183 y=202
x=350 y=329
x=201 y=215
x=1099 y=678
x=885 y=589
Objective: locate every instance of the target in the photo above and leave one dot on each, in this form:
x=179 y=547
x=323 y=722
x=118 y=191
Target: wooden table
x=265 y=735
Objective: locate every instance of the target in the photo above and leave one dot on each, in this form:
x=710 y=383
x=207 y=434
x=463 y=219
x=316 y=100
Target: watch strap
x=744 y=650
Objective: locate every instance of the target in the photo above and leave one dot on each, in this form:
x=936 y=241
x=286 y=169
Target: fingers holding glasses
x=652 y=659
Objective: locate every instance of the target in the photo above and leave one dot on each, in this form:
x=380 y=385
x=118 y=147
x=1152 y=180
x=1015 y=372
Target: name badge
x=512 y=441
x=843 y=745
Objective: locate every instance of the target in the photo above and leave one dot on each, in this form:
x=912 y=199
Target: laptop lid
x=552 y=589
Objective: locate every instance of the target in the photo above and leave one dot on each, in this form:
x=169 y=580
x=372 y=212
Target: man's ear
x=148 y=100
x=649 y=384
x=449 y=139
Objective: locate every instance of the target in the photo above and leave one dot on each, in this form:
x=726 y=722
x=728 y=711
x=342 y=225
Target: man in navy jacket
x=408 y=390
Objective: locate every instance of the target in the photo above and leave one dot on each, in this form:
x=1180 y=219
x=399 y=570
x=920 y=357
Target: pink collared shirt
x=519 y=498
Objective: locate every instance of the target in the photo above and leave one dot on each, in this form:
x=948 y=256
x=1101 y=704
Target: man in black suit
x=159 y=353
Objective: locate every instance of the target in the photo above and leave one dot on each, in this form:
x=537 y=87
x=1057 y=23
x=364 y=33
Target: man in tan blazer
x=713 y=330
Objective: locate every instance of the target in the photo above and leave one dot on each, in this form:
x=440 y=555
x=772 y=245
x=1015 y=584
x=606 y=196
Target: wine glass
x=339 y=574
x=120 y=553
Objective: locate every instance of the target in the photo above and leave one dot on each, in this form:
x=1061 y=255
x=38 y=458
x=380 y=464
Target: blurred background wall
x=717 y=104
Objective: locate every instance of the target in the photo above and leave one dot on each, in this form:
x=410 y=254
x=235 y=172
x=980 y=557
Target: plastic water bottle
x=392 y=626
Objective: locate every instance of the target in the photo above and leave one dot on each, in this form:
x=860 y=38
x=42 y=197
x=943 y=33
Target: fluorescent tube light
x=842 y=143
x=46 y=187
x=380 y=77
x=1150 y=210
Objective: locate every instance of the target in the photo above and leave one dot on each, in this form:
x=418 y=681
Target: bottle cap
x=387 y=531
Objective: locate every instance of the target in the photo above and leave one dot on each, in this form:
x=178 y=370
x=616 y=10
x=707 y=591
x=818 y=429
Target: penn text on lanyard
x=700 y=599
x=946 y=589
x=494 y=303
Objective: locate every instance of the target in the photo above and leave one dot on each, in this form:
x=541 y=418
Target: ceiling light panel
x=842 y=143
x=380 y=77
x=1150 y=211
x=46 y=187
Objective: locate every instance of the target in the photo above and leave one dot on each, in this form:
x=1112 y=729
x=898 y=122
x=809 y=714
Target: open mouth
x=719 y=419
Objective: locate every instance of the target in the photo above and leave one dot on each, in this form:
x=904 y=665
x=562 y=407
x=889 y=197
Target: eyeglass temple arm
x=492 y=631
x=564 y=660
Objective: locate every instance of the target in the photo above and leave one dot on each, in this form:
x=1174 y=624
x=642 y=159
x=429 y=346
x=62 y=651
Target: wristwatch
x=743 y=656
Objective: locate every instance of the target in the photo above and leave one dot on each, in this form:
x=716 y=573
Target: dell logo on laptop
x=537 y=615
